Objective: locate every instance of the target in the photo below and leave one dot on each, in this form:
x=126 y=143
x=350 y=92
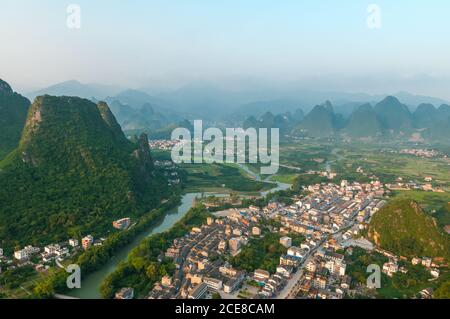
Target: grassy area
x=223 y=177
x=389 y=166
x=286 y=179
x=428 y=200
x=386 y=165
x=435 y=204
x=17 y=283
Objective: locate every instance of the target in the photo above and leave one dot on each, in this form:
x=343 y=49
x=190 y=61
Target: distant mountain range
x=352 y=116
x=388 y=118
x=204 y=101
x=75 y=88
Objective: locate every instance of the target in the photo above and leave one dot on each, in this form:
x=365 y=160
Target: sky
x=313 y=44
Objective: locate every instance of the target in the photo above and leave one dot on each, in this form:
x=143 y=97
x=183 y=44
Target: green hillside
x=319 y=122
x=73 y=172
x=393 y=115
x=13 y=113
x=364 y=123
x=405 y=229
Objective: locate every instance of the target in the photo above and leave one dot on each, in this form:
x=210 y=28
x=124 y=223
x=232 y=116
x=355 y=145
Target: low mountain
x=259 y=108
x=320 y=122
x=444 y=111
x=13 y=113
x=133 y=98
x=75 y=88
x=425 y=116
x=298 y=116
x=250 y=122
x=415 y=100
x=73 y=173
x=393 y=115
x=284 y=122
x=144 y=118
x=405 y=229
x=138 y=100
x=441 y=131
x=364 y=123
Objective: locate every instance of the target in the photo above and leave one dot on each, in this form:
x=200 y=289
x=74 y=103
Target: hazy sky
x=316 y=44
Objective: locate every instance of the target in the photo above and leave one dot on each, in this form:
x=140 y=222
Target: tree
x=153 y=271
x=216 y=295
x=443 y=292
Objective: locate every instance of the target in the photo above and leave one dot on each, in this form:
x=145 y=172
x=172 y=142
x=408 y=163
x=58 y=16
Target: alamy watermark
x=239 y=146
x=374 y=18
x=74 y=279
x=73 y=20
x=374 y=279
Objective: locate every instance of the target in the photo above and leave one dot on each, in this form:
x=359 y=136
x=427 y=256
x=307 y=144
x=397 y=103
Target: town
x=328 y=219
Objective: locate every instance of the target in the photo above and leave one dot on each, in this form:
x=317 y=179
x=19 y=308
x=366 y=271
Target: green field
x=220 y=177
x=429 y=201
x=345 y=159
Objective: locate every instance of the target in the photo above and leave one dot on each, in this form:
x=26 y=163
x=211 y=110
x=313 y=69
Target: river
x=91 y=284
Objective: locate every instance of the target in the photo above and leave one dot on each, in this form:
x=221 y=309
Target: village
x=43 y=258
x=330 y=218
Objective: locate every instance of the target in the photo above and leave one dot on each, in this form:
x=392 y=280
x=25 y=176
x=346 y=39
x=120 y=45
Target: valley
x=72 y=172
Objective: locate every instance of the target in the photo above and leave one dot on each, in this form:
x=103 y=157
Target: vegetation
x=260 y=253
x=13 y=112
x=14 y=278
x=436 y=204
x=401 y=285
x=142 y=268
x=221 y=176
x=443 y=292
x=74 y=172
x=403 y=228
x=92 y=259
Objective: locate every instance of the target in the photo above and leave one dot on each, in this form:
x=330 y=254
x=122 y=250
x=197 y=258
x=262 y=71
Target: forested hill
x=73 y=173
x=13 y=112
x=405 y=229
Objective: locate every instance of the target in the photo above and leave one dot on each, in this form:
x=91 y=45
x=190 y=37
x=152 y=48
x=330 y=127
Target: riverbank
x=90 y=285
x=97 y=257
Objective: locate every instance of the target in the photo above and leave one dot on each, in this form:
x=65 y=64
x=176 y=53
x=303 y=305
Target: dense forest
x=73 y=173
x=13 y=112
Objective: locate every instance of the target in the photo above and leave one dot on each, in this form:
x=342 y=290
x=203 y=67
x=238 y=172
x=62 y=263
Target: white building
x=261 y=275
x=21 y=255
x=256 y=231
x=213 y=283
x=435 y=273
x=73 y=242
x=52 y=249
x=295 y=251
x=286 y=241
x=390 y=268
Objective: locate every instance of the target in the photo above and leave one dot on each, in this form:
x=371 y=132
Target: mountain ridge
x=73 y=172
x=13 y=113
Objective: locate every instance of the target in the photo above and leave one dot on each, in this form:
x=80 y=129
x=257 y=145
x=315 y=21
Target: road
x=292 y=287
